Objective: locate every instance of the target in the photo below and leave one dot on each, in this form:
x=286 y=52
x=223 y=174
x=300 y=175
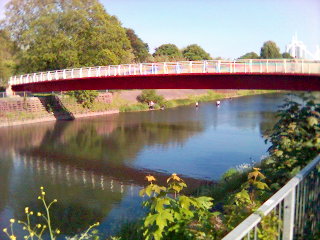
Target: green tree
x=85 y=98
x=194 y=52
x=148 y=95
x=7 y=58
x=270 y=50
x=286 y=55
x=250 y=55
x=167 y=52
x=140 y=49
x=66 y=33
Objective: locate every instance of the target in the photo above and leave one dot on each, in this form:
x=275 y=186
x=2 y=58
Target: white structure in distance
x=297 y=49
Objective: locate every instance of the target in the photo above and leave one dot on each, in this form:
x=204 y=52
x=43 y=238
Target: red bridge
x=302 y=75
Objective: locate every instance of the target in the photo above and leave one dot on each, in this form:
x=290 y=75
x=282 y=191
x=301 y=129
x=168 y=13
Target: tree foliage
x=85 y=98
x=149 y=95
x=140 y=49
x=167 y=52
x=194 y=52
x=295 y=137
x=286 y=55
x=172 y=215
x=7 y=57
x=65 y=33
x=250 y=55
x=270 y=50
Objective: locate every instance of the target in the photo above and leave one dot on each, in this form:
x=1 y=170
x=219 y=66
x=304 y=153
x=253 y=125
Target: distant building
x=297 y=49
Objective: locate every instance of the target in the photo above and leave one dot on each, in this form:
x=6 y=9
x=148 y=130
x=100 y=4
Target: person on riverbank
x=197 y=104
x=151 y=105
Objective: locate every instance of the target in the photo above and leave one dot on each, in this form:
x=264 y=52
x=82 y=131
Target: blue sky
x=226 y=28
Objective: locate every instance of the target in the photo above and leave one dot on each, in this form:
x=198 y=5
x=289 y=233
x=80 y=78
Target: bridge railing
x=183 y=67
x=295 y=205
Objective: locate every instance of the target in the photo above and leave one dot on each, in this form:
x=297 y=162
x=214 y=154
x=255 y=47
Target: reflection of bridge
x=58 y=172
x=216 y=74
x=123 y=174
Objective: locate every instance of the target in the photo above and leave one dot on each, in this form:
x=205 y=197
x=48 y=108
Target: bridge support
x=9 y=91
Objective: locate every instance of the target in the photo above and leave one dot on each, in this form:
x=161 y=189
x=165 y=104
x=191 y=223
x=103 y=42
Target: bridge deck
x=242 y=74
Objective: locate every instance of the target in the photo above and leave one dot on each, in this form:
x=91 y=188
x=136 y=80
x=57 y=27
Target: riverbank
x=175 y=98
x=36 y=109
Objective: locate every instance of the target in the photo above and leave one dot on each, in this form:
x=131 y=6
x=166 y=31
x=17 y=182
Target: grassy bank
x=192 y=99
x=70 y=104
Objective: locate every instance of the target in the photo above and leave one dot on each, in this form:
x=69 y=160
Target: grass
x=19 y=116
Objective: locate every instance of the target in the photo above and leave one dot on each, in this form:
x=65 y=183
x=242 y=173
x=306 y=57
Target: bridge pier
x=9 y=91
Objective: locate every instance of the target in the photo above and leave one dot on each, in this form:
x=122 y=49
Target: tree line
x=269 y=50
x=43 y=35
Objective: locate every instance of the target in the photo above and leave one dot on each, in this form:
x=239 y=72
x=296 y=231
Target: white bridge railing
x=290 y=66
x=296 y=205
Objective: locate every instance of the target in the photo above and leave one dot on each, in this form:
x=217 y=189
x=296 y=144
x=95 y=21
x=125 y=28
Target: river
x=96 y=166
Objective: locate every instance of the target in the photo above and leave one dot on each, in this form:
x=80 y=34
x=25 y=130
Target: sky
x=225 y=28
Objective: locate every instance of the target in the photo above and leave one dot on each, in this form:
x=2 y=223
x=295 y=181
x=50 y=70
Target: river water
x=96 y=166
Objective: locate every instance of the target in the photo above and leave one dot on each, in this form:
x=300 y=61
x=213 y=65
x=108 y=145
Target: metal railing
x=296 y=205
x=3 y=94
x=289 y=66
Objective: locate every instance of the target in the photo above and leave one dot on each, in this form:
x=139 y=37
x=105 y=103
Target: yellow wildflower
x=175 y=177
x=57 y=231
x=12 y=220
x=38 y=225
x=26 y=210
x=150 y=178
x=5 y=230
x=39 y=214
x=31 y=213
x=13 y=237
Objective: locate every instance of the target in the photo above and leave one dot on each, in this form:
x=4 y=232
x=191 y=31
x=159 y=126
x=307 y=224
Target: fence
x=3 y=94
x=296 y=205
x=184 y=67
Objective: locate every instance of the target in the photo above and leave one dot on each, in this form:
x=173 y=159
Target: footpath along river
x=96 y=166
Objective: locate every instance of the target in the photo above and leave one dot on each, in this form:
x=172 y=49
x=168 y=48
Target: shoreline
x=52 y=118
x=172 y=103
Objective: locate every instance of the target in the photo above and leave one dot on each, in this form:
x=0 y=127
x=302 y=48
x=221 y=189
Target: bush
x=172 y=215
x=149 y=95
x=84 y=97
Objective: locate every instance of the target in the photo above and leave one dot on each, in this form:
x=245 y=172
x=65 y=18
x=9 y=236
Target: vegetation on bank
x=173 y=215
x=80 y=102
x=159 y=101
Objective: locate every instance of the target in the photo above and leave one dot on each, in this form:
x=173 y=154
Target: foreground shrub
x=172 y=215
x=43 y=225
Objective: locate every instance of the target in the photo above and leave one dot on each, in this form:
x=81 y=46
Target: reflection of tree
x=125 y=142
x=5 y=172
x=122 y=144
x=19 y=137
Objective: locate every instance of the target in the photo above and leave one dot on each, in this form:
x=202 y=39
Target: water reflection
x=96 y=166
